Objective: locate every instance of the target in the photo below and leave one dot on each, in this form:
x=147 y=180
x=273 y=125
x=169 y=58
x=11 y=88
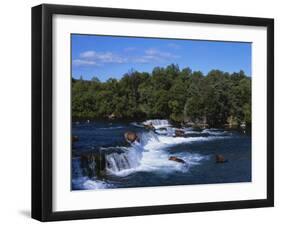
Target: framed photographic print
x=145 y=112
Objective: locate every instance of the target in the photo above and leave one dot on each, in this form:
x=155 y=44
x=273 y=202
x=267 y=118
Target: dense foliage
x=217 y=98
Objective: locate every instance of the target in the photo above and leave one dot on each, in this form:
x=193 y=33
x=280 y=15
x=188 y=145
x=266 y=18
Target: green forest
x=183 y=96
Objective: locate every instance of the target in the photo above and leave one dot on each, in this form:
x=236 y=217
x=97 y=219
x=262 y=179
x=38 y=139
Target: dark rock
x=179 y=133
x=220 y=159
x=131 y=137
x=176 y=159
x=75 y=138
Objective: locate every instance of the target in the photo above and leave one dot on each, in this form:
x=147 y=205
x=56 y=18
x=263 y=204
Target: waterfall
x=111 y=160
x=149 y=137
x=128 y=159
x=121 y=161
x=115 y=160
x=147 y=153
x=167 y=131
x=157 y=123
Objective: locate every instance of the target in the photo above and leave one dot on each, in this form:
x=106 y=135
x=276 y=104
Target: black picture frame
x=42 y=111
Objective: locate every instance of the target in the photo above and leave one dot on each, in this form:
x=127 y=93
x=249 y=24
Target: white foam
x=95 y=184
x=157 y=123
x=129 y=159
x=214 y=132
x=88 y=184
x=166 y=141
x=151 y=154
x=156 y=158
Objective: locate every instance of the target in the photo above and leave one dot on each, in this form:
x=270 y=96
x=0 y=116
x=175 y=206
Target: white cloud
x=155 y=55
x=160 y=54
x=89 y=57
x=80 y=62
x=87 y=54
x=151 y=55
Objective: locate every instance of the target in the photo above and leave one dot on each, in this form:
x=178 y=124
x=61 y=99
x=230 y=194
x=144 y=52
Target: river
x=147 y=161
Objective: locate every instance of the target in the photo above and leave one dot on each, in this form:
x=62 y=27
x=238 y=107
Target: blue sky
x=108 y=56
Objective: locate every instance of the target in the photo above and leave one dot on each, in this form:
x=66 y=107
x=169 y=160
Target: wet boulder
x=220 y=159
x=131 y=137
x=176 y=159
x=179 y=133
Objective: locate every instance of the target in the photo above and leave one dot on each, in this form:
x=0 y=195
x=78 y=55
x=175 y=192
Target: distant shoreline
x=77 y=120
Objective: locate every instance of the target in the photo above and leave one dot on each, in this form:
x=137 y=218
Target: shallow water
x=146 y=162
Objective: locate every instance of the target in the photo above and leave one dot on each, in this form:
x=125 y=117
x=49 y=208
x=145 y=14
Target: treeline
x=217 y=98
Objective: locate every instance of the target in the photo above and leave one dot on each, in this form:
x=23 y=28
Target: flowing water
x=115 y=163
